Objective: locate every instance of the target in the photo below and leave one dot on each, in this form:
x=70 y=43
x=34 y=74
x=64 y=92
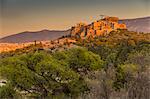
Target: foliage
x=45 y=74
x=111 y=66
x=7 y=92
x=80 y=58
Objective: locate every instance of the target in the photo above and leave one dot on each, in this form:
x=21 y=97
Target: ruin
x=98 y=28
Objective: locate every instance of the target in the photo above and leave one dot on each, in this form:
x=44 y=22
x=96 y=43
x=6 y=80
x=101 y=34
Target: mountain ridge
x=141 y=24
x=29 y=36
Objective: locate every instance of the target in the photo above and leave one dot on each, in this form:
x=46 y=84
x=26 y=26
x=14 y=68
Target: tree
x=39 y=73
x=139 y=86
x=80 y=59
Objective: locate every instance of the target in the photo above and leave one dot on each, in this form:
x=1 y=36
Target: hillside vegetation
x=115 y=66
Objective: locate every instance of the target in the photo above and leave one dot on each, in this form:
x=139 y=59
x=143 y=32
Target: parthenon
x=98 y=28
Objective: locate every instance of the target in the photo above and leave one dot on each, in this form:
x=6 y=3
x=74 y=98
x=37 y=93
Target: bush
x=80 y=59
x=7 y=92
x=45 y=75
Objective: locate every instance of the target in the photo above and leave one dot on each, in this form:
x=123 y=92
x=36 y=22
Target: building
x=98 y=28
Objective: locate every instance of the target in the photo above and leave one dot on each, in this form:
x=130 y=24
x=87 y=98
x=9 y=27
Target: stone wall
x=97 y=28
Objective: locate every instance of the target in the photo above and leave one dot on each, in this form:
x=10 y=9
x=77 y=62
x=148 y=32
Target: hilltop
x=107 y=31
x=97 y=28
x=137 y=25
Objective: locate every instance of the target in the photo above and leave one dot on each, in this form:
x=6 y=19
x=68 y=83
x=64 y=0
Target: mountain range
x=32 y=36
x=137 y=24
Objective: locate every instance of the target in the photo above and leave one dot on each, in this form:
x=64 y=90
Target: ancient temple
x=98 y=28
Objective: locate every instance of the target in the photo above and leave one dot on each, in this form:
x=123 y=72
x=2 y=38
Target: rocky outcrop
x=98 y=28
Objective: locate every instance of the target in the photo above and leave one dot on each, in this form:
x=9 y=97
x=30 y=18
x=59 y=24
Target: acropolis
x=98 y=28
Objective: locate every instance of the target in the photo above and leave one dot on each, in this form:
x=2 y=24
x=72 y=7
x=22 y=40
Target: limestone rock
x=98 y=28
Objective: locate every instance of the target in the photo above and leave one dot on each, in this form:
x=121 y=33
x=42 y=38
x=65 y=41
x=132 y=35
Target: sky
x=33 y=15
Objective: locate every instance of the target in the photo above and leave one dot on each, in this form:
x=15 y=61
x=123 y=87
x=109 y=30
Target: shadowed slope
x=32 y=36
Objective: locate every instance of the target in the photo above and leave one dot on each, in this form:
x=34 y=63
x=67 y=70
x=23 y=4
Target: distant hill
x=138 y=24
x=32 y=36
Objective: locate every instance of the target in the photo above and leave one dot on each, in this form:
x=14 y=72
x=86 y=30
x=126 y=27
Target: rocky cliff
x=98 y=28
